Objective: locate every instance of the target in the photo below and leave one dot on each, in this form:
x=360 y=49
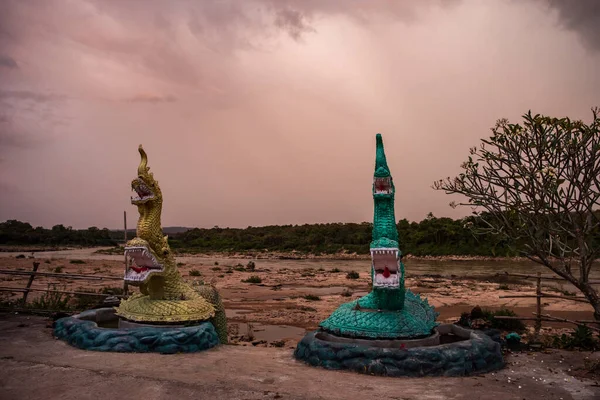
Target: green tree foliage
x=432 y=236
x=14 y=232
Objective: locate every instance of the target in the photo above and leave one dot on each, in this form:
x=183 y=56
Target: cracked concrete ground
x=36 y=366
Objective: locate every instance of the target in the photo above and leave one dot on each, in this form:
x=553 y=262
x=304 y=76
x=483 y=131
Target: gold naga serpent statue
x=164 y=298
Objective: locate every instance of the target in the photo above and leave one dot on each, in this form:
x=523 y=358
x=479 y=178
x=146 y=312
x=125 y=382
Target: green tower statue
x=389 y=311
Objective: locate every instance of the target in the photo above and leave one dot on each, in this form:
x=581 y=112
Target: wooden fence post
x=538 y=292
x=31 y=277
x=125 y=286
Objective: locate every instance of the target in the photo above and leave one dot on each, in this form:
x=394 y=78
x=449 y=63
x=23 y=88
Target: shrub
x=580 y=338
x=335 y=270
x=195 y=272
x=503 y=287
x=312 y=297
x=352 y=275
x=59 y=269
x=216 y=268
x=250 y=266
x=346 y=293
x=77 y=262
x=504 y=324
x=252 y=279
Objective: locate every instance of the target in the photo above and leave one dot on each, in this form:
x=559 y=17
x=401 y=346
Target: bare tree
x=539 y=185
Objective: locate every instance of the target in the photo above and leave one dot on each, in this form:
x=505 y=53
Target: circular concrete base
x=126 y=324
x=82 y=331
x=464 y=352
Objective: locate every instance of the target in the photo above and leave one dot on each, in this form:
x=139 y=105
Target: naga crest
x=145 y=186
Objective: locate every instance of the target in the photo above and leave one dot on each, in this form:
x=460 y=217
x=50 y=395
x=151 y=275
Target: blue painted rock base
x=87 y=335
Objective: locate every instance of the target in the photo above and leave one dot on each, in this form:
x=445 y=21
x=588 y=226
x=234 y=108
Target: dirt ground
x=36 y=366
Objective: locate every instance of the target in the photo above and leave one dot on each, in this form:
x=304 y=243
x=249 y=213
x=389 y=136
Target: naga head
x=387 y=270
x=145 y=186
x=145 y=260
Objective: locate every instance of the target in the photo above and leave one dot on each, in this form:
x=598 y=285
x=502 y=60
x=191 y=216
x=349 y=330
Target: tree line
x=432 y=236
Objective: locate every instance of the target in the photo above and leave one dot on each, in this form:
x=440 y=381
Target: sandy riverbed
x=278 y=308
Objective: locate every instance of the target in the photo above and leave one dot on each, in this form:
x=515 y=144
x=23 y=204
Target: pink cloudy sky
x=262 y=112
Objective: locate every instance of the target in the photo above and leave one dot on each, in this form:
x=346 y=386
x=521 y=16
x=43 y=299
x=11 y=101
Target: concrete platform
x=37 y=366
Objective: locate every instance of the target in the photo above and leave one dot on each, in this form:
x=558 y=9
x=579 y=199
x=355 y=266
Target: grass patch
x=335 y=270
x=51 y=300
x=195 y=272
x=503 y=286
x=180 y=264
x=59 y=269
x=216 y=268
x=77 y=262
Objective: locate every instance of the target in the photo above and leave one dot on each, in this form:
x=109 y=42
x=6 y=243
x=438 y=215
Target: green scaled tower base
x=389 y=311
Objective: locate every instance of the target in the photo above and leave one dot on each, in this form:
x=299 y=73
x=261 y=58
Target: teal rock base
x=360 y=319
x=478 y=354
x=87 y=335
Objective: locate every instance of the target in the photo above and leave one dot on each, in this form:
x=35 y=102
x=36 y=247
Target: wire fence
x=539 y=295
x=59 y=276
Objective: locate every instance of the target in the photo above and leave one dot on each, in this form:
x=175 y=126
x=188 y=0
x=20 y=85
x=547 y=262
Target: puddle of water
x=272 y=333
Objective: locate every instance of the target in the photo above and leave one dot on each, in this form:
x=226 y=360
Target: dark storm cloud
x=8 y=62
x=293 y=22
x=581 y=16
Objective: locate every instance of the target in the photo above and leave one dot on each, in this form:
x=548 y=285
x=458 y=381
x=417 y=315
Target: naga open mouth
x=144 y=193
x=382 y=185
x=142 y=264
x=385 y=268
